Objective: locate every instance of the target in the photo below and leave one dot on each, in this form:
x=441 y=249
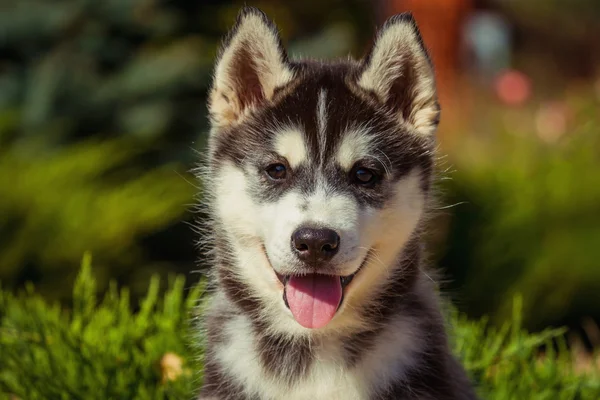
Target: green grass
x=100 y=349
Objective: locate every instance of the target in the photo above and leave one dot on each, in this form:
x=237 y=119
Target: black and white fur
x=322 y=121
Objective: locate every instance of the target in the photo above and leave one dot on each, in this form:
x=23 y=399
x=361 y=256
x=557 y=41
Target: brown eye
x=364 y=176
x=276 y=171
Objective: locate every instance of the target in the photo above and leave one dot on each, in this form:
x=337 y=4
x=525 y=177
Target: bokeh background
x=102 y=117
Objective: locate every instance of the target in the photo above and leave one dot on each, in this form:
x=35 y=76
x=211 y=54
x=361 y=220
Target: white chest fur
x=328 y=376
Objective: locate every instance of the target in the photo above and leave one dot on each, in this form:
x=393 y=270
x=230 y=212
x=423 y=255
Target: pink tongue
x=313 y=298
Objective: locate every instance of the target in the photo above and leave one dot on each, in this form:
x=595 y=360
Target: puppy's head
x=319 y=172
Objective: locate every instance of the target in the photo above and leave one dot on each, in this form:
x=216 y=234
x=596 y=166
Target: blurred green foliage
x=100 y=105
x=89 y=68
x=86 y=196
x=528 y=219
x=101 y=350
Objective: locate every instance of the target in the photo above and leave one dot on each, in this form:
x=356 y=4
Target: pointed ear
x=400 y=74
x=251 y=65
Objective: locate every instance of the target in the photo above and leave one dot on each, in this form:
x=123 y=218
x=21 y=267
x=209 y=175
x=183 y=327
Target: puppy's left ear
x=399 y=72
x=251 y=65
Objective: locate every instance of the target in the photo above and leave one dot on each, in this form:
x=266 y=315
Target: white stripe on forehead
x=289 y=143
x=356 y=144
x=322 y=122
x=329 y=208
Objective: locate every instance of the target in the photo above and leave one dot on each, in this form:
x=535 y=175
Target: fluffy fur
x=323 y=122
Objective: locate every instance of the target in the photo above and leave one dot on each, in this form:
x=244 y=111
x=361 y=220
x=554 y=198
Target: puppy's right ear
x=251 y=65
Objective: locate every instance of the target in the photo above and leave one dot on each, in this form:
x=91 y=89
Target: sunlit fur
x=397 y=54
x=322 y=121
x=261 y=44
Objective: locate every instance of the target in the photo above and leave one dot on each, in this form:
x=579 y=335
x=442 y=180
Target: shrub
x=92 y=195
x=99 y=350
x=528 y=219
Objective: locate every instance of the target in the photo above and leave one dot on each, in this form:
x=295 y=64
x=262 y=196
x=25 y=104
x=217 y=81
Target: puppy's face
x=320 y=172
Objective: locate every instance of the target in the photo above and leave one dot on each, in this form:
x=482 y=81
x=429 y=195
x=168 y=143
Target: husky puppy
x=318 y=178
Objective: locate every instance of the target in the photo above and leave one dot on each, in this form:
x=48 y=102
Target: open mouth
x=314 y=298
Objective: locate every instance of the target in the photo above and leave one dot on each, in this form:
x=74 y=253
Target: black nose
x=315 y=244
